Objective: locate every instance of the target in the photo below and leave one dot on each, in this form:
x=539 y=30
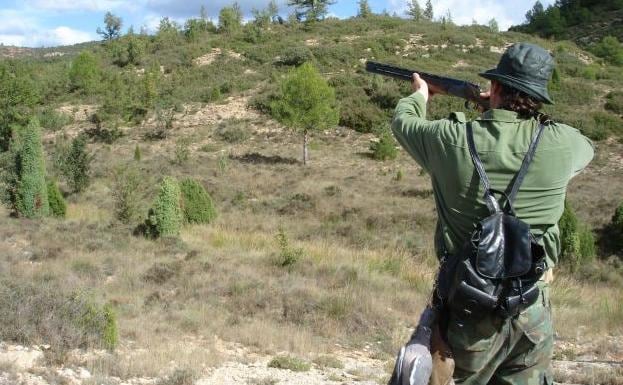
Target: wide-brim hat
x=525 y=67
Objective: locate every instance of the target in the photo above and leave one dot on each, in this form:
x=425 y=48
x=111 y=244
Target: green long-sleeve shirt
x=502 y=139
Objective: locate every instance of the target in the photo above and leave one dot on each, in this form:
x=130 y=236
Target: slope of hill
x=328 y=264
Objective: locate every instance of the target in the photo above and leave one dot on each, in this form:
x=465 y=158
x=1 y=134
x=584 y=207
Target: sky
x=48 y=23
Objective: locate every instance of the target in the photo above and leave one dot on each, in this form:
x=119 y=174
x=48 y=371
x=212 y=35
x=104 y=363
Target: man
x=495 y=349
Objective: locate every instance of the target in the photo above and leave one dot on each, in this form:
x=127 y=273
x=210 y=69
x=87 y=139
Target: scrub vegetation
x=145 y=138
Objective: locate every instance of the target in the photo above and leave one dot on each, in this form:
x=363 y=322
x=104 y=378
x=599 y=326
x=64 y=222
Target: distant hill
x=584 y=21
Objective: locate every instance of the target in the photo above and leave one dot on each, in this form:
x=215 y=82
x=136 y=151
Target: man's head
x=519 y=82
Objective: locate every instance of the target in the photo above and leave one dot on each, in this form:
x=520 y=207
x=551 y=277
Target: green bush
x=58 y=206
x=384 y=148
x=126 y=193
x=233 y=131
x=288 y=362
x=296 y=56
x=288 y=256
x=84 y=74
x=31 y=196
x=614 y=102
x=77 y=165
x=196 y=202
x=610 y=49
x=577 y=240
x=53 y=120
x=165 y=217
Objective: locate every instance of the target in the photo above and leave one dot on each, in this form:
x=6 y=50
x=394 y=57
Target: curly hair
x=524 y=105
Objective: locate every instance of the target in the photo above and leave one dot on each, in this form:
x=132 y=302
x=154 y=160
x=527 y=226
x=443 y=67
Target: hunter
x=498 y=347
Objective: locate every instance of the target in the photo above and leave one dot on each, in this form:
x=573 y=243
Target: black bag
x=498 y=267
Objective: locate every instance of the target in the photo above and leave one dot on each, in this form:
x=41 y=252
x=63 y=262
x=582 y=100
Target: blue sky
x=46 y=23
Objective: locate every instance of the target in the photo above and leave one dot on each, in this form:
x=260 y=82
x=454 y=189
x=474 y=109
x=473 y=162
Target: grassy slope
x=366 y=263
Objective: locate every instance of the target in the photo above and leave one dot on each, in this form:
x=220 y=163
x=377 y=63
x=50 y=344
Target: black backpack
x=498 y=267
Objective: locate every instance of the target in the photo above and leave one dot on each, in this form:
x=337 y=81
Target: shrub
x=233 y=131
x=53 y=120
x=58 y=207
x=84 y=73
x=126 y=193
x=31 y=197
x=45 y=312
x=165 y=217
x=18 y=95
x=288 y=362
x=196 y=202
x=288 y=255
x=384 y=148
x=577 y=240
x=182 y=150
x=296 y=56
x=617 y=226
x=610 y=49
x=614 y=102
x=77 y=165
x=137 y=153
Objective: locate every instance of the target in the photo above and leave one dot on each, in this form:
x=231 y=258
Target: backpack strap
x=525 y=164
x=492 y=203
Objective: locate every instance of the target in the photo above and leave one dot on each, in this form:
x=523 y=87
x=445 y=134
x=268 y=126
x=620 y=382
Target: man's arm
x=416 y=134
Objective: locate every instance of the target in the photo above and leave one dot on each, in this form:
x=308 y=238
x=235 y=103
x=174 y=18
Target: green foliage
x=617 y=227
x=84 y=74
x=126 y=193
x=414 y=10
x=77 y=165
x=230 y=19
x=182 y=150
x=428 y=10
x=296 y=56
x=384 y=148
x=307 y=102
x=310 y=10
x=58 y=206
x=110 y=334
x=364 y=9
x=53 y=120
x=610 y=49
x=165 y=217
x=18 y=95
x=31 y=196
x=233 y=131
x=577 y=240
x=288 y=362
x=112 y=28
x=137 y=153
x=614 y=102
x=196 y=202
x=288 y=256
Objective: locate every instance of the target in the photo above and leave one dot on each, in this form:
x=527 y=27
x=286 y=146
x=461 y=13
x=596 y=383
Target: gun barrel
x=455 y=87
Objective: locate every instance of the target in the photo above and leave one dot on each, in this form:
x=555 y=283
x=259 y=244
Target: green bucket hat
x=526 y=67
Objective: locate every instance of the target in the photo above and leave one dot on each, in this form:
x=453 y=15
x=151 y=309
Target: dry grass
x=364 y=273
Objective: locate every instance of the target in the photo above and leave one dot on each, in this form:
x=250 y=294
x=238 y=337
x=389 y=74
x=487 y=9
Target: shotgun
x=450 y=86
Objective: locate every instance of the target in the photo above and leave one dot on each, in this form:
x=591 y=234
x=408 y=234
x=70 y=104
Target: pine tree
x=311 y=10
x=77 y=166
x=58 y=206
x=307 y=104
x=165 y=217
x=197 y=203
x=30 y=197
x=364 y=9
x=493 y=25
x=414 y=10
x=428 y=11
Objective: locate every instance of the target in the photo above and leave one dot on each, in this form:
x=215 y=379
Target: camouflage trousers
x=496 y=351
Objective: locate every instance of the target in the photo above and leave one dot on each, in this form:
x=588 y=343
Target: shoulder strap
x=525 y=164
x=492 y=203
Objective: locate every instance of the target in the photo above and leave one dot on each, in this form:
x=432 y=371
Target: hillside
x=320 y=268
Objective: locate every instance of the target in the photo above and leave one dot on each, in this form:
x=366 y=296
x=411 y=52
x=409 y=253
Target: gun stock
x=450 y=86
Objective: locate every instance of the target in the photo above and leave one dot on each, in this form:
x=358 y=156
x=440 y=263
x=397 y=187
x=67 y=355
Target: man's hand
x=427 y=90
x=485 y=95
